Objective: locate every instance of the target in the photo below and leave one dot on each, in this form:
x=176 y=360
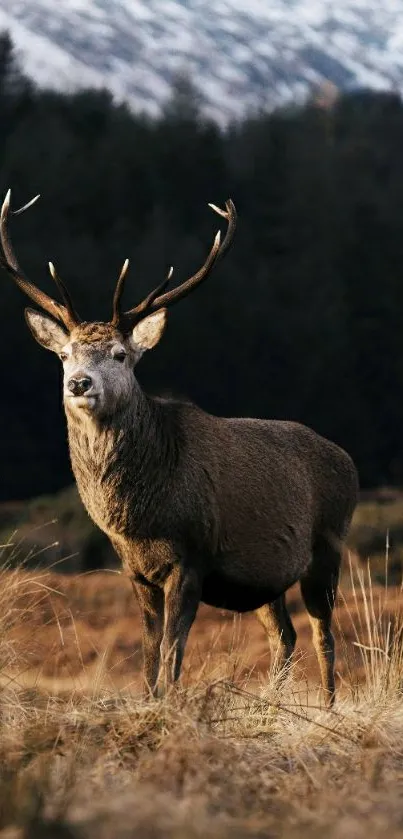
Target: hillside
x=266 y=55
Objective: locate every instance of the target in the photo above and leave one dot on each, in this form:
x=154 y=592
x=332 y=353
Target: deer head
x=99 y=358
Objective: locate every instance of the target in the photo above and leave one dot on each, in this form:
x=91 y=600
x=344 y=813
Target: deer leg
x=182 y=596
x=318 y=589
x=151 y=600
x=275 y=619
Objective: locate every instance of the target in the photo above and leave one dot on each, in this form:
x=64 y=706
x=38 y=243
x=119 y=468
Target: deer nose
x=78 y=385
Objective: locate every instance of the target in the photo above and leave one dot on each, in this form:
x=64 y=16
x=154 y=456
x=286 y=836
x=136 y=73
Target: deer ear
x=148 y=332
x=46 y=331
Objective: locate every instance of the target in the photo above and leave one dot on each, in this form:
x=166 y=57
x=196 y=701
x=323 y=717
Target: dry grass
x=231 y=753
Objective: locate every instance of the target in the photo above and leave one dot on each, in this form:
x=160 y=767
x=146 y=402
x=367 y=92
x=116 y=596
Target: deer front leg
x=151 y=601
x=182 y=592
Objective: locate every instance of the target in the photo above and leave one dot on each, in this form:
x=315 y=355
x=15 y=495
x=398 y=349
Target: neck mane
x=125 y=464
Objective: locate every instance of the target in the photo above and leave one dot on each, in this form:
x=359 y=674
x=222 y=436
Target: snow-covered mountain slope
x=241 y=53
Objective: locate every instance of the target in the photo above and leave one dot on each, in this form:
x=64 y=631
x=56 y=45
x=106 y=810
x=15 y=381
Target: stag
x=230 y=512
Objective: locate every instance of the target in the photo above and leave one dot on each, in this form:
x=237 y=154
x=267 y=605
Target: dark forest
x=301 y=320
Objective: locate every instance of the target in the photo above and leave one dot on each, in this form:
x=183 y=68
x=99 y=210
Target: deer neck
x=124 y=465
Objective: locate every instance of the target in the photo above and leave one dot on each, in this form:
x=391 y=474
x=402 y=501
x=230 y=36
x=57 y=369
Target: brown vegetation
x=66 y=627
x=229 y=753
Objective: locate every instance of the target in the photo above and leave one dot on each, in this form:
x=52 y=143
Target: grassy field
x=231 y=753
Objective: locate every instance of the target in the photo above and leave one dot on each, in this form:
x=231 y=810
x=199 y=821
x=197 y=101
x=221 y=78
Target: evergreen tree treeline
x=302 y=320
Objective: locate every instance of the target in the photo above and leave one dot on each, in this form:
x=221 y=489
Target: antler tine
x=116 y=316
x=9 y=262
x=127 y=319
x=26 y=206
x=5 y=236
x=64 y=293
x=182 y=290
x=156 y=300
x=230 y=215
x=153 y=295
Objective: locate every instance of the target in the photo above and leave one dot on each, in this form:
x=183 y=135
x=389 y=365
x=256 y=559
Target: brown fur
x=91 y=333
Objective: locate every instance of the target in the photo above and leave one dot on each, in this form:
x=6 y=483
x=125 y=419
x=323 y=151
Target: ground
x=68 y=626
x=230 y=753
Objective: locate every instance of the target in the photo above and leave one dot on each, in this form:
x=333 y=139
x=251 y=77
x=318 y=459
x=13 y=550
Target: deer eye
x=120 y=355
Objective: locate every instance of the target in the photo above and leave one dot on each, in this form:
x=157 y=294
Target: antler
x=65 y=313
x=156 y=300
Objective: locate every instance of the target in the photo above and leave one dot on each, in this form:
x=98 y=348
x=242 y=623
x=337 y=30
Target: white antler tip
x=52 y=270
x=6 y=204
x=123 y=270
x=218 y=210
x=217 y=239
x=26 y=206
x=170 y=272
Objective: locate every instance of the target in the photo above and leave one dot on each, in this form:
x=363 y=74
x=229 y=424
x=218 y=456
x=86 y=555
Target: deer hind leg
x=280 y=631
x=318 y=589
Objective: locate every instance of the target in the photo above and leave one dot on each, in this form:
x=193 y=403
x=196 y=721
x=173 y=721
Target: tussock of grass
x=378 y=521
x=218 y=756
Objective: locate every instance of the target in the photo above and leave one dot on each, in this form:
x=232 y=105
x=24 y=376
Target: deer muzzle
x=79 y=385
